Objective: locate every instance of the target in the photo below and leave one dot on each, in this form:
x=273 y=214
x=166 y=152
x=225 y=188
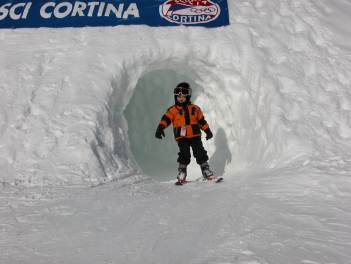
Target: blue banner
x=74 y=13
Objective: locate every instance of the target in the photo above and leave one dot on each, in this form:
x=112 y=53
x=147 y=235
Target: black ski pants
x=199 y=151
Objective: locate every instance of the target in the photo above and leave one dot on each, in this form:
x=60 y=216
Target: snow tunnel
x=140 y=98
x=152 y=96
x=242 y=108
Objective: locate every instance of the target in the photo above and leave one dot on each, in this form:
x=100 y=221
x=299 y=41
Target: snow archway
x=240 y=108
x=228 y=93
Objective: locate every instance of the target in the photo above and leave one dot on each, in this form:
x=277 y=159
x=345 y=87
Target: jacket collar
x=180 y=106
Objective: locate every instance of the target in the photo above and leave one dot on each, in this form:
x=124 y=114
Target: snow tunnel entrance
x=152 y=96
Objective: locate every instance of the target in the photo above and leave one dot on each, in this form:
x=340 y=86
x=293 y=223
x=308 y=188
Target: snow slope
x=275 y=88
x=284 y=216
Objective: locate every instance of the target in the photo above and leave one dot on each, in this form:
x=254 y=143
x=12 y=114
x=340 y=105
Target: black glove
x=159 y=132
x=209 y=134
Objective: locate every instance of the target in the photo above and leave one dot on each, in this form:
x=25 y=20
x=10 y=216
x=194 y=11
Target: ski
x=214 y=180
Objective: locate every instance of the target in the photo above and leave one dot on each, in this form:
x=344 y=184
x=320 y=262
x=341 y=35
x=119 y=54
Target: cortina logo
x=187 y=12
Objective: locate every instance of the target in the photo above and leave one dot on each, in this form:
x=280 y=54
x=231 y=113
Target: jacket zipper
x=187 y=116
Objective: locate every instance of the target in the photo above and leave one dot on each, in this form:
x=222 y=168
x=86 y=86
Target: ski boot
x=181 y=174
x=207 y=173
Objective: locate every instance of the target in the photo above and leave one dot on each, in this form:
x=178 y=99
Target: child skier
x=188 y=121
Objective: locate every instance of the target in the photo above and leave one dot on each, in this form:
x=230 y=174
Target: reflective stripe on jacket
x=190 y=117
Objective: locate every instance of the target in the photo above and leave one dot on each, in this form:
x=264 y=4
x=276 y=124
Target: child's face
x=181 y=98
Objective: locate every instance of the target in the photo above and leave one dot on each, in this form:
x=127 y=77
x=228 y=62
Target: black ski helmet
x=183 y=88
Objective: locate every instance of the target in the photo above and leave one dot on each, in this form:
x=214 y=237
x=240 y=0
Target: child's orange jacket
x=188 y=121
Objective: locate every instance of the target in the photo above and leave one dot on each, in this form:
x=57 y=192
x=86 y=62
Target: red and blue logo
x=189 y=12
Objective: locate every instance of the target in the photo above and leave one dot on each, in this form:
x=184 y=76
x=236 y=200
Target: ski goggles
x=182 y=91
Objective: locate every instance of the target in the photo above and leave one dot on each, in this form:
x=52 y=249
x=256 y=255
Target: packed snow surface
x=284 y=216
x=85 y=181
